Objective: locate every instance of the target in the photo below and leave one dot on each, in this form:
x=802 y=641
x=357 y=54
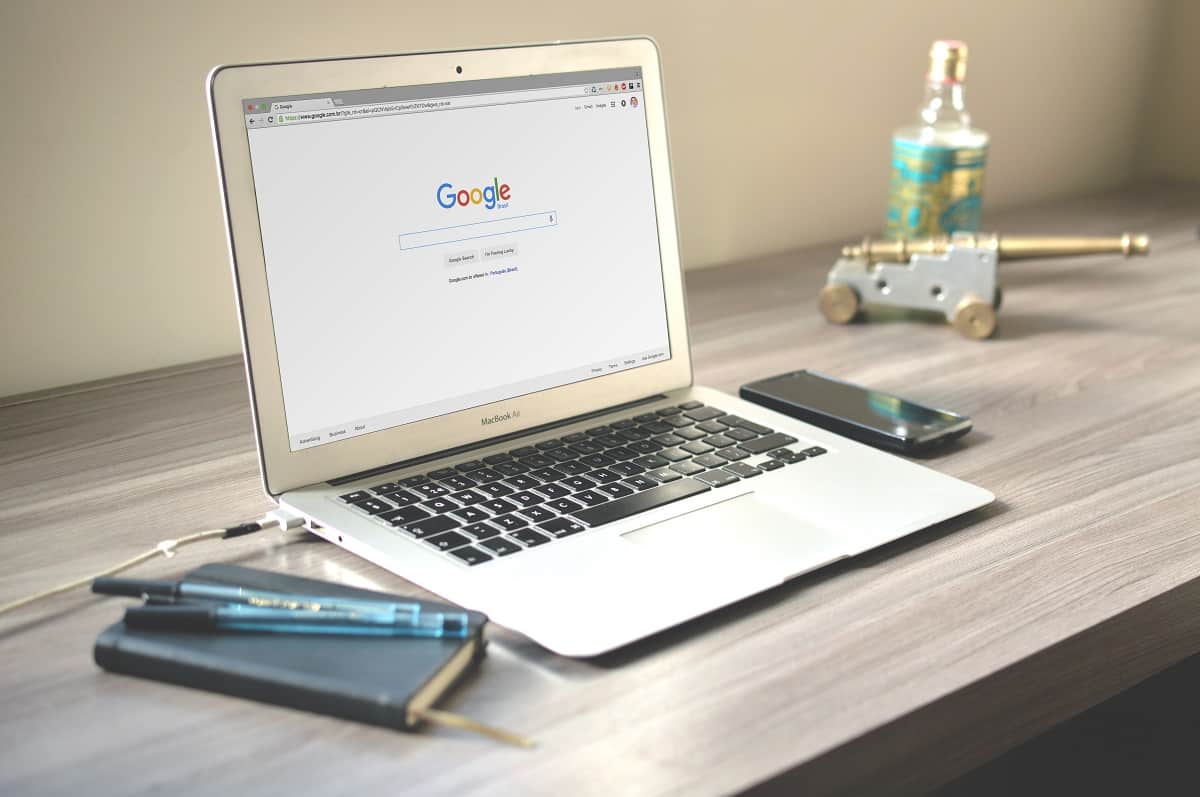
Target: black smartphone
x=869 y=416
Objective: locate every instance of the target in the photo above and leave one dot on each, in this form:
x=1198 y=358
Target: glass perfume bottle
x=938 y=163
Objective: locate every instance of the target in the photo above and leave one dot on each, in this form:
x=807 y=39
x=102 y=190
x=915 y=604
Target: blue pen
x=255 y=619
x=218 y=593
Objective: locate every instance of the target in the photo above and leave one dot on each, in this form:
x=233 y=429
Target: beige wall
x=1171 y=135
x=113 y=256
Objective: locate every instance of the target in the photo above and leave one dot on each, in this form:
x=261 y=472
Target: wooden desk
x=891 y=672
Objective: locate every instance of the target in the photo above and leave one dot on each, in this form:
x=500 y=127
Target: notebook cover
x=364 y=679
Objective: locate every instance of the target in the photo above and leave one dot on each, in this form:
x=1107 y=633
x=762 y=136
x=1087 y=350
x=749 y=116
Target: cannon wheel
x=839 y=303
x=974 y=318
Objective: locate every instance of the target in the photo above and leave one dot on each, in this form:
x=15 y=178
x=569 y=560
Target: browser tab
x=302 y=105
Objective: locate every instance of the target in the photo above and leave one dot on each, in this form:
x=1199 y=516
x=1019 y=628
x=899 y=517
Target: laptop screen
x=440 y=247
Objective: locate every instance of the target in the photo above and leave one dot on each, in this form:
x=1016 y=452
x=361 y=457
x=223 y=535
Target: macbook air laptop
x=462 y=310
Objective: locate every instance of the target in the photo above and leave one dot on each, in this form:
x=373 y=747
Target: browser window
x=434 y=248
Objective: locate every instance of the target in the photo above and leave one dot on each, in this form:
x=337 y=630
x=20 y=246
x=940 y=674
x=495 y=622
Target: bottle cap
x=948 y=61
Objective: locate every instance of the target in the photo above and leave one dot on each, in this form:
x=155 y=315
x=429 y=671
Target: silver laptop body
x=463 y=319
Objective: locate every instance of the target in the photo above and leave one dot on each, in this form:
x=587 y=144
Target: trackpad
x=743 y=531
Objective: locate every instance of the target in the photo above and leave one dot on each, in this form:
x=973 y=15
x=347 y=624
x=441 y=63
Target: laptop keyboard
x=502 y=504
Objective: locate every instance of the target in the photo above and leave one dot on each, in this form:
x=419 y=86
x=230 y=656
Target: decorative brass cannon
x=952 y=275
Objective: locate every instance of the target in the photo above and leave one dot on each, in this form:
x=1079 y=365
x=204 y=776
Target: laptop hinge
x=491 y=441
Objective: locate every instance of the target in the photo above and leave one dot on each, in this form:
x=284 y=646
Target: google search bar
x=479 y=229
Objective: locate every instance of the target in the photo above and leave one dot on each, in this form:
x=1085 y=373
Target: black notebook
x=387 y=681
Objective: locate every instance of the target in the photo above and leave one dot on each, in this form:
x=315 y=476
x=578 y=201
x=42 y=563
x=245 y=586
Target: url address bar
x=423 y=106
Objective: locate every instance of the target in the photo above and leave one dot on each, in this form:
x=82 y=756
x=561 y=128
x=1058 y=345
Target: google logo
x=487 y=196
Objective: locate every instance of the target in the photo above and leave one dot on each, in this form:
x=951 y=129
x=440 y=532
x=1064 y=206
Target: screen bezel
x=284 y=469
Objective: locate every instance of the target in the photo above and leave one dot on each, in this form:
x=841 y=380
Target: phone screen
x=873 y=409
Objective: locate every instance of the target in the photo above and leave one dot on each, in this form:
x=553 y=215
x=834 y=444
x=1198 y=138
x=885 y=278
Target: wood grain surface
x=891 y=672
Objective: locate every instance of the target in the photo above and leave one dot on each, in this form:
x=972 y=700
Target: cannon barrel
x=1007 y=247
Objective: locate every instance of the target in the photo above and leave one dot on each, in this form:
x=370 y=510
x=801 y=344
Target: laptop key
x=552 y=490
x=757 y=428
x=597 y=461
x=690 y=433
x=431 y=490
x=470 y=514
x=456 y=482
x=596 y=431
x=573 y=468
x=565 y=505
x=667 y=475
x=562 y=527
x=500 y=546
x=697 y=447
x=468 y=496
x=481 y=531
x=524 y=482
x=603 y=476
x=717 y=478
x=496 y=459
x=616 y=489
x=496 y=489
x=380 y=489
x=636 y=433
x=510 y=522
x=498 y=506
x=687 y=468
x=448 y=540
x=732 y=454
x=538 y=461
x=507 y=469
x=434 y=525
x=770 y=464
x=640 y=482
x=704 y=413
x=674 y=454
x=403 y=497
x=440 y=505
x=787 y=456
x=548 y=474
x=625 y=424
x=471 y=555
x=608 y=441
x=590 y=497
x=627 y=468
x=526 y=498
x=678 y=421
x=669 y=440
x=373 y=505
x=640 y=502
x=712 y=427
x=562 y=455
x=652 y=461
x=523 y=451
x=546 y=445
x=719 y=441
x=765 y=444
x=710 y=460
x=405 y=515
x=574 y=437
x=743 y=470
x=538 y=514
x=413 y=481
x=587 y=447
x=485 y=475
x=529 y=537
x=655 y=427
x=739 y=434
x=468 y=466
x=814 y=451
x=621 y=454
x=578 y=482
x=669 y=411
x=690 y=405
x=442 y=473
x=644 y=446
x=645 y=417
x=357 y=495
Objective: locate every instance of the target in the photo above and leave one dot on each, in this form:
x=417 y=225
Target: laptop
x=465 y=336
